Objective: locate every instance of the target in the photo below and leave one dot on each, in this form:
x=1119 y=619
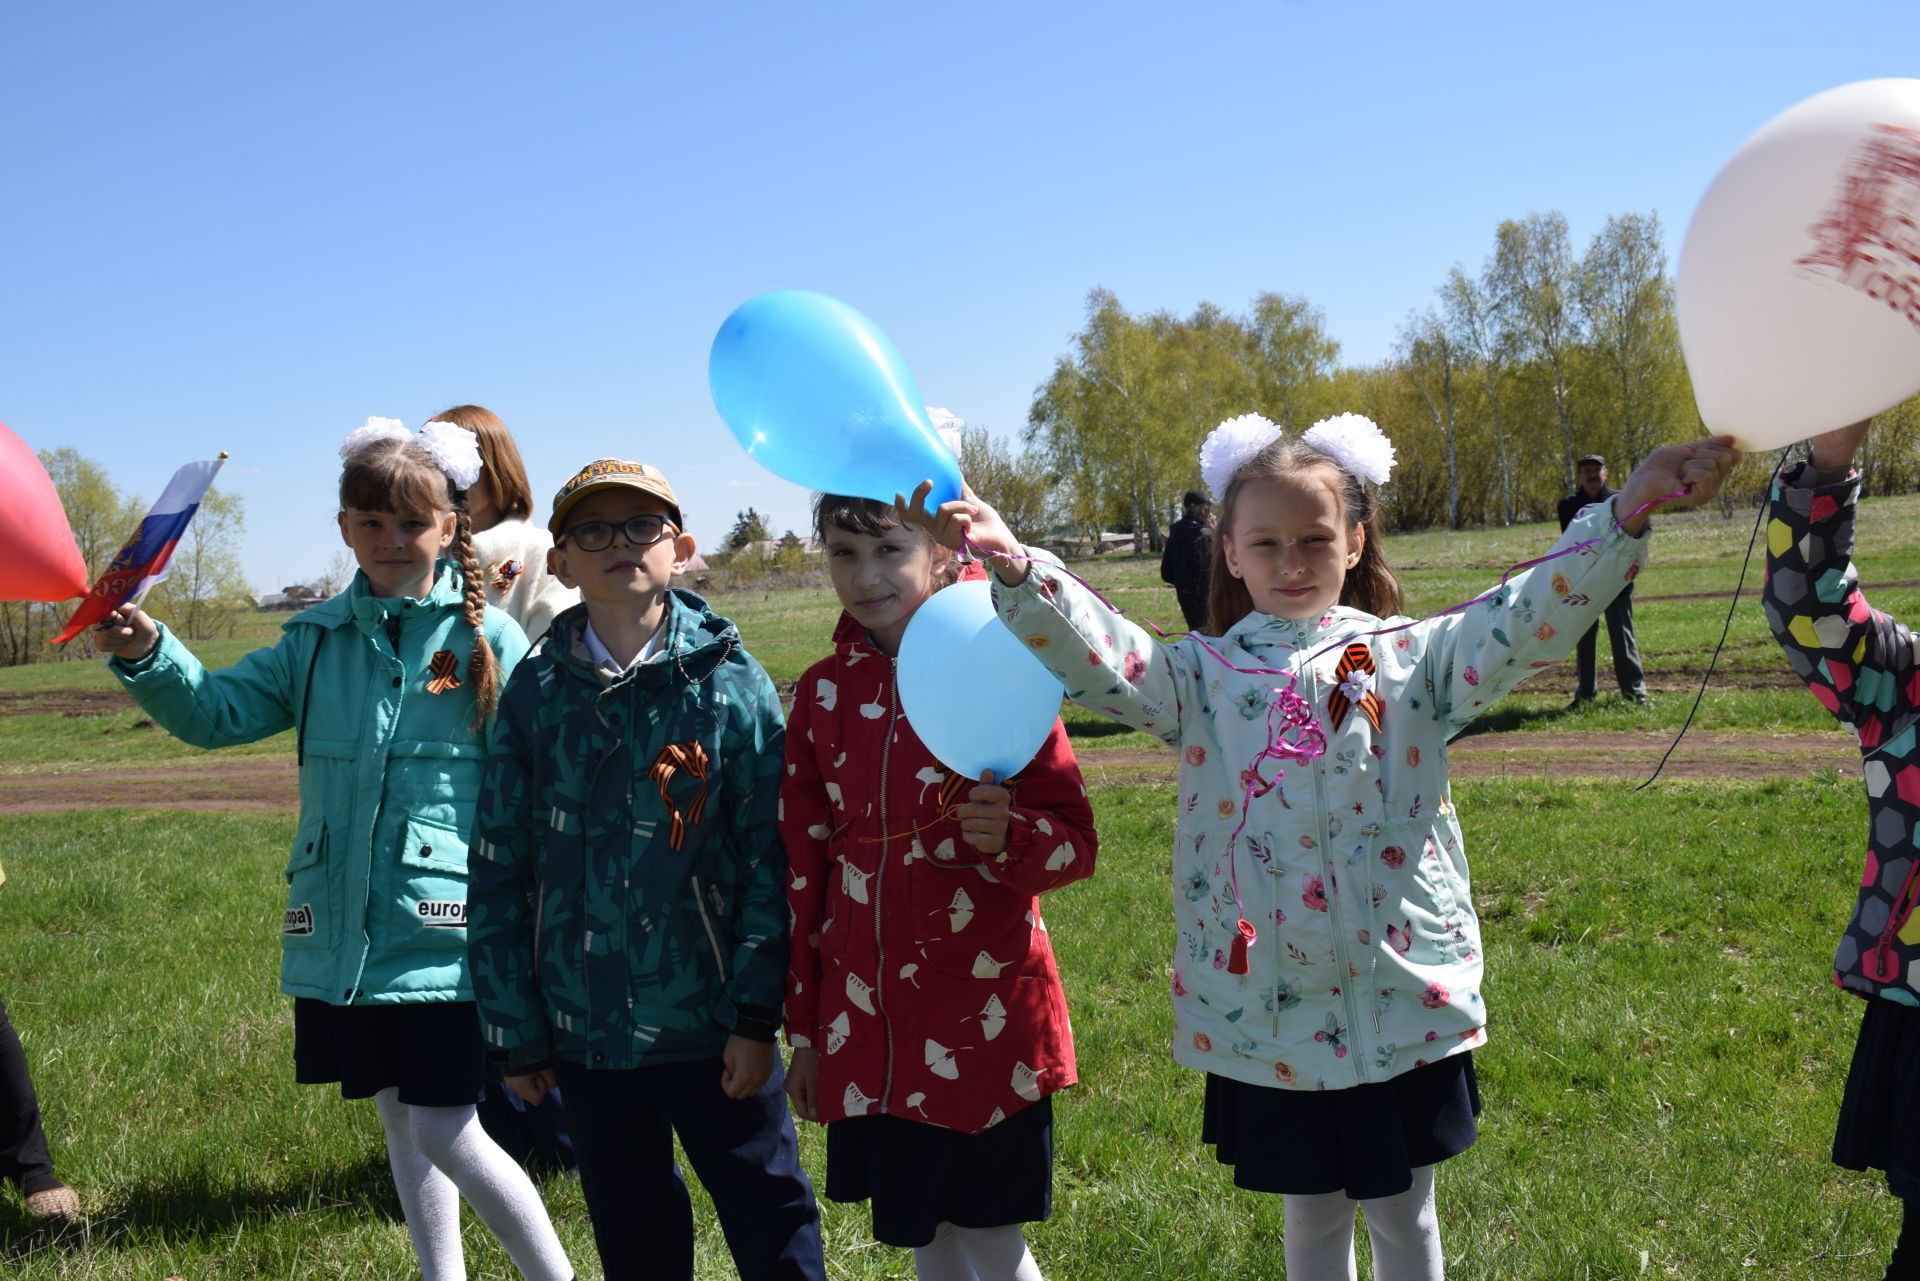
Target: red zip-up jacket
x=921 y=970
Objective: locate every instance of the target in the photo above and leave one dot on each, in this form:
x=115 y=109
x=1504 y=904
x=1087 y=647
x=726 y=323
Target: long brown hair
x=499 y=455
x=400 y=476
x=1370 y=585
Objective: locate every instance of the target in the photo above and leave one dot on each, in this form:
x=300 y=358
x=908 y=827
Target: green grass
x=1662 y=1076
x=1664 y=1068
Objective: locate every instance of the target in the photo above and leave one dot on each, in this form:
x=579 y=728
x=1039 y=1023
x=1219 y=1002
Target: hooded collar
x=358 y=605
x=1260 y=630
x=693 y=631
x=851 y=643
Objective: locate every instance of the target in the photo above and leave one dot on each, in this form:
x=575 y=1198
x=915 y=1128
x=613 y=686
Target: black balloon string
x=1759 y=519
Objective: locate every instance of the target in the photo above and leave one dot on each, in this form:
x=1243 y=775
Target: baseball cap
x=1595 y=459
x=611 y=473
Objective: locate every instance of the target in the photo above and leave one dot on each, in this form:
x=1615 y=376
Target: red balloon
x=38 y=557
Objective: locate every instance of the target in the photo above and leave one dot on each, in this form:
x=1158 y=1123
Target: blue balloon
x=973 y=693
x=815 y=392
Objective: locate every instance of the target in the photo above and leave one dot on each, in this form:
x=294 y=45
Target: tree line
x=205 y=593
x=1490 y=393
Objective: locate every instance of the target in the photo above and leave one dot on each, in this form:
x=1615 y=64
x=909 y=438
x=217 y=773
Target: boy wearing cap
x=627 y=913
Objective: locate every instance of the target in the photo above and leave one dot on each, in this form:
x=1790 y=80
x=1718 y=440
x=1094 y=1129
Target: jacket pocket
x=967 y=926
x=1421 y=903
x=307 y=924
x=433 y=887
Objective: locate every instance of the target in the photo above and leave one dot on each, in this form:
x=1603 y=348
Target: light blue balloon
x=819 y=396
x=973 y=693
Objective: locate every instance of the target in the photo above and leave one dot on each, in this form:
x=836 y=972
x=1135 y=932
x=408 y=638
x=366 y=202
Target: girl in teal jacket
x=390 y=686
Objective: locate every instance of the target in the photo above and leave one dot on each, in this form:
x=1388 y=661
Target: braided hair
x=400 y=476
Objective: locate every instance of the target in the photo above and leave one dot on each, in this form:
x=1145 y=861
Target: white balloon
x=1798 y=293
x=974 y=694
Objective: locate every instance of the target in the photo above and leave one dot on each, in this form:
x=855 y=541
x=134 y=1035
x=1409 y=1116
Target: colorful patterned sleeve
x=1105 y=662
x=1473 y=656
x=1857 y=661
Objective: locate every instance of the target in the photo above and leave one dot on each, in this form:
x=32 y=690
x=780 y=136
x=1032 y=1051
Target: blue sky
x=247 y=227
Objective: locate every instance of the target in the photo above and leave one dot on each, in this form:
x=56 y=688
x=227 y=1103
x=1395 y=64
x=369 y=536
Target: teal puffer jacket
x=377 y=886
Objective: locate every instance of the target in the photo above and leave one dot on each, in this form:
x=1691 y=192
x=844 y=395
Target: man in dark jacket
x=1593 y=488
x=1188 y=557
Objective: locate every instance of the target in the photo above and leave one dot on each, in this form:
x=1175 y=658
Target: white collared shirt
x=603 y=656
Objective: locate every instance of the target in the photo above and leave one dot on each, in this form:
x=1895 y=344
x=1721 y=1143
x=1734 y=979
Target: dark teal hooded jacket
x=629 y=882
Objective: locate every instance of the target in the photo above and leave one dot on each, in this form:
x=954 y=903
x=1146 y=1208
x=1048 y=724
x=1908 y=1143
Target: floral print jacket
x=1860 y=664
x=1367 y=961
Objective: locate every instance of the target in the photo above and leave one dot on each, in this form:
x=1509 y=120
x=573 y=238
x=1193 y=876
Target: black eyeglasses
x=639 y=531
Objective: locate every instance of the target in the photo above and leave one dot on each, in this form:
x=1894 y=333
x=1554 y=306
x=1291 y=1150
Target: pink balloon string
x=1294 y=733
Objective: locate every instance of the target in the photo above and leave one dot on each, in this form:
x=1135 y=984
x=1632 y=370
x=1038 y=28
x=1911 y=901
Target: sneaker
x=1579 y=701
x=60 y=1202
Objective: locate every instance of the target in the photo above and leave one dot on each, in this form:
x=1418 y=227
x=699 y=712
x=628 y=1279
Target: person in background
x=510 y=548
x=1592 y=473
x=1189 y=550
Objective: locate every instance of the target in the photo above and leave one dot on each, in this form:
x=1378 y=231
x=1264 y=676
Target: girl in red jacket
x=926 y=1017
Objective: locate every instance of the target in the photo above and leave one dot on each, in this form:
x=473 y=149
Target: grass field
x=1664 y=1064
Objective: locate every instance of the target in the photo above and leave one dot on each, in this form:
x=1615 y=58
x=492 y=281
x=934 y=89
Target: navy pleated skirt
x=918 y=1176
x=1879 y=1126
x=1365 y=1141
x=431 y=1050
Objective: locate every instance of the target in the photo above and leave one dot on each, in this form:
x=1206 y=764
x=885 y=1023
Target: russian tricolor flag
x=143 y=561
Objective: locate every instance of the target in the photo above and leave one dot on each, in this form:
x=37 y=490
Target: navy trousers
x=1626 y=654
x=743 y=1151
x=23 y=1142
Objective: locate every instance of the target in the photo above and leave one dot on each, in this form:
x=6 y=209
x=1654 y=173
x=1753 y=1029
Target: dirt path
x=211 y=783
x=195 y=783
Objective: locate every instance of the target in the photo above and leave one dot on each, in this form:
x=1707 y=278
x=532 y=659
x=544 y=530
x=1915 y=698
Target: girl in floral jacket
x=926 y=1017
x=1327 y=975
x=1861 y=665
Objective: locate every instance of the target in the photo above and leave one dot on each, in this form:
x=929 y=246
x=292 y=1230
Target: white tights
x=976 y=1254
x=442 y=1154
x=1404 y=1229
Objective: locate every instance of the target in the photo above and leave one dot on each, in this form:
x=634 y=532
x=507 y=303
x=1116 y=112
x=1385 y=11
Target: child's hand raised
x=1697 y=468
x=967 y=518
x=986 y=815
x=126 y=633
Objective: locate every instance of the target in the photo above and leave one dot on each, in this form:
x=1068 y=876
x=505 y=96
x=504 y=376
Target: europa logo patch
x=440 y=913
x=299 y=920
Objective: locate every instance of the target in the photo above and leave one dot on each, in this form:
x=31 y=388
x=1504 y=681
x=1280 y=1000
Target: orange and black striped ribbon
x=445 y=668
x=691 y=757
x=1356 y=658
